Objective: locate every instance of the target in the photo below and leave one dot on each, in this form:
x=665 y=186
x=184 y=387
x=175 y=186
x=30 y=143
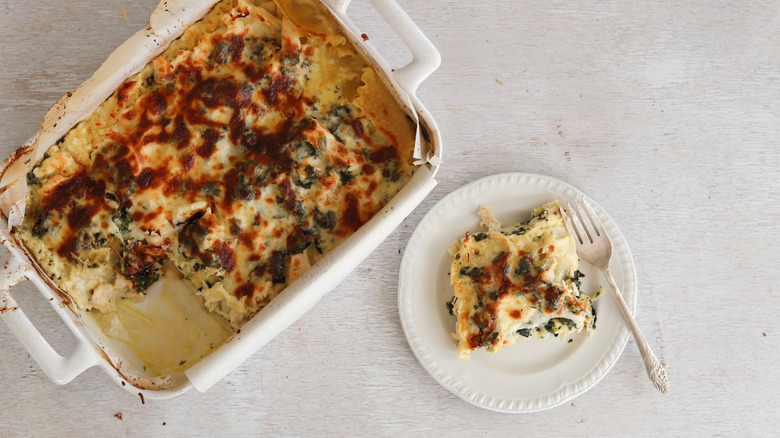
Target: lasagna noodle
x=517 y=281
x=258 y=141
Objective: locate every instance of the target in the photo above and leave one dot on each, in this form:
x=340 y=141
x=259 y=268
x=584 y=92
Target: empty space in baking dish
x=163 y=335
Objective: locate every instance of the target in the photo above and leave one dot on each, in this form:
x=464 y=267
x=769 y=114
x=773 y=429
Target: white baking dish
x=94 y=346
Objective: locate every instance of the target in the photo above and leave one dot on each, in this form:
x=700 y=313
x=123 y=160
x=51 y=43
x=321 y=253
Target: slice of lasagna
x=517 y=281
x=256 y=143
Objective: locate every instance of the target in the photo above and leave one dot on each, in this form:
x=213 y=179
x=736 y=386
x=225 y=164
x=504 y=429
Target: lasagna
x=517 y=281
x=255 y=143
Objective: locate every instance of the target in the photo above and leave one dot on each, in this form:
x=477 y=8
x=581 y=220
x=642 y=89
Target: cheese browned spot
x=517 y=281
x=258 y=141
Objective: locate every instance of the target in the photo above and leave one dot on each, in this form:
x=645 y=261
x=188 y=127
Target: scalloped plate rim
x=472 y=395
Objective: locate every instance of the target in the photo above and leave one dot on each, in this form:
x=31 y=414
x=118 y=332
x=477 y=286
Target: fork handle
x=655 y=370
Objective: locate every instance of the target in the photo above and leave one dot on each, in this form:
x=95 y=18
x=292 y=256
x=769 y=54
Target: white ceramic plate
x=533 y=374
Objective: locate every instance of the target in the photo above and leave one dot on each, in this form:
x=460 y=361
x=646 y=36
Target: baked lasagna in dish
x=517 y=281
x=254 y=144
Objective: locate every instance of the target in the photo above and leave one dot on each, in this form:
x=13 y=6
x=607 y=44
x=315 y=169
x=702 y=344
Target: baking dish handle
x=425 y=57
x=60 y=369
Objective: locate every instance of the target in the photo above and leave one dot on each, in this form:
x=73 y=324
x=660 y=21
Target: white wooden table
x=666 y=113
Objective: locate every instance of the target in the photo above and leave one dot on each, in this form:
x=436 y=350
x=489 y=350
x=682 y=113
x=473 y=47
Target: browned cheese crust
x=258 y=141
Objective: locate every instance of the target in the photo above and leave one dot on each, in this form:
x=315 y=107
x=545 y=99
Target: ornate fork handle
x=655 y=370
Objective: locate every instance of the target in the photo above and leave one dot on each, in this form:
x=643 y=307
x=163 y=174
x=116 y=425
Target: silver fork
x=595 y=248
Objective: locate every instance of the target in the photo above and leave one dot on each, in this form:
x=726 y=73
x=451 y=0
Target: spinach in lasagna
x=257 y=142
x=517 y=281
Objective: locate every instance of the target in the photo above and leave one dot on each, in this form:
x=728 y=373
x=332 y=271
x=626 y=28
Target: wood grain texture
x=667 y=114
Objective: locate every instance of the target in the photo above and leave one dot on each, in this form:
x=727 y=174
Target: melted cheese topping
x=517 y=281
x=254 y=144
